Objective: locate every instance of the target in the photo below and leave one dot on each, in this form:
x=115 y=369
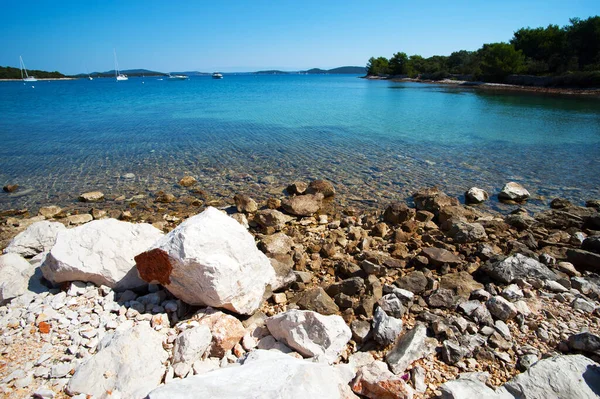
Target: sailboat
x=118 y=75
x=27 y=78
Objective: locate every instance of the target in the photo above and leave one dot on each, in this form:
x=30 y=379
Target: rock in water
x=39 y=237
x=302 y=205
x=209 y=259
x=9 y=188
x=265 y=375
x=187 y=181
x=513 y=192
x=245 y=204
x=321 y=187
x=311 y=333
x=100 y=252
x=15 y=273
x=130 y=363
x=518 y=266
x=92 y=196
x=476 y=196
x=571 y=376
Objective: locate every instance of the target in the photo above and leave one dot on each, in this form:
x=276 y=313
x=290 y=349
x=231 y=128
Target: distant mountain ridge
x=348 y=70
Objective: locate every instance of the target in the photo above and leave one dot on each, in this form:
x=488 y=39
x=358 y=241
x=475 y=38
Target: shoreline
x=388 y=275
x=498 y=86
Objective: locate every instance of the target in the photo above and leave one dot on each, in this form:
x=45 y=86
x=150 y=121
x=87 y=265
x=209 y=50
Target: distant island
x=11 y=73
x=553 y=56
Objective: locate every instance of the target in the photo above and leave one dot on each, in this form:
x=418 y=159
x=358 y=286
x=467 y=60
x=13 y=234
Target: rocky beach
x=299 y=293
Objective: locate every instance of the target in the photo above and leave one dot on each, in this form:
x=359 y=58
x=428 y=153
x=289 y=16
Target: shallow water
x=376 y=140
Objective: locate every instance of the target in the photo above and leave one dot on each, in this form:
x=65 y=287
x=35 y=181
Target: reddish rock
x=377 y=382
x=44 y=327
x=226 y=330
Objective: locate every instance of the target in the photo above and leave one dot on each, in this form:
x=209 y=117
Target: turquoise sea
x=376 y=140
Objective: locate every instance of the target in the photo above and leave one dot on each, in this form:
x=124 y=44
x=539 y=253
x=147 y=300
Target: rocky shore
x=298 y=296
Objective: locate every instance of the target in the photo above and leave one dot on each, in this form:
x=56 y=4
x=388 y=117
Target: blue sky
x=75 y=36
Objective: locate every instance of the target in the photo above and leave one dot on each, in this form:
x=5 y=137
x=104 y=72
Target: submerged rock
x=187 y=181
x=100 y=252
x=92 y=196
x=209 y=259
x=321 y=187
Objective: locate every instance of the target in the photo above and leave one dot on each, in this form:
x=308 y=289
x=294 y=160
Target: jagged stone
x=517 y=267
x=311 y=333
x=413 y=345
x=209 y=259
x=101 y=252
x=385 y=328
x=317 y=300
x=376 y=381
x=513 y=192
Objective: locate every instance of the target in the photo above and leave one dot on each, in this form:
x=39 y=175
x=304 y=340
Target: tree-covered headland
x=566 y=56
x=15 y=73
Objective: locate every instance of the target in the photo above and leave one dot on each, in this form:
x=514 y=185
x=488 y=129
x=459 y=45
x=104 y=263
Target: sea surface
x=377 y=141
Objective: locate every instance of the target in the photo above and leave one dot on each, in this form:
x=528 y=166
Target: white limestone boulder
x=100 y=252
x=311 y=333
x=209 y=260
x=513 y=192
x=37 y=238
x=265 y=375
x=15 y=273
x=130 y=363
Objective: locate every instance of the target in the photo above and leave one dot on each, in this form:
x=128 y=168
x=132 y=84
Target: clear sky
x=230 y=35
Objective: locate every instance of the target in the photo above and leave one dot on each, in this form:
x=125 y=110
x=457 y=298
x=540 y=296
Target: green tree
x=583 y=38
x=463 y=62
x=544 y=48
x=498 y=60
x=378 y=66
x=399 y=64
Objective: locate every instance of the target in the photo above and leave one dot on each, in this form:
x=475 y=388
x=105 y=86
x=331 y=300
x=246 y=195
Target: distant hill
x=351 y=70
x=15 y=73
x=273 y=72
x=128 y=72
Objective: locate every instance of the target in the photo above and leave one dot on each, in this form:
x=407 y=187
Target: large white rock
x=100 y=252
x=571 y=376
x=37 y=238
x=130 y=363
x=514 y=192
x=265 y=375
x=209 y=259
x=15 y=273
x=311 y=333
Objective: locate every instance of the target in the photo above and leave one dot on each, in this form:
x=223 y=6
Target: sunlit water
x=375 y=140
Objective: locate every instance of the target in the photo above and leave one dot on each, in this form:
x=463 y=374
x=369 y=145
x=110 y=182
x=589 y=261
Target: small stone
x=76 y=220
x=9 y=188
x=187 y=181
x=92 y=196
x=501 y=308
x=280 y=298
x=476 y=196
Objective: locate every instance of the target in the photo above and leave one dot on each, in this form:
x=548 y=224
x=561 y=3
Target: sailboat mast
x=116 y=64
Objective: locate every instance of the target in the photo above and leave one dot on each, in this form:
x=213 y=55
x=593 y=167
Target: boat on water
x=118 y=75
x=177 y=77
x=26 y=78
x=217 y=75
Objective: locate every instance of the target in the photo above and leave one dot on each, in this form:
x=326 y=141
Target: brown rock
x=317 y=300
x=432 y=200
x=9 y=188
x=92 y=196
x=461 y=283
x=297 y=188
x=321 y=187
x=398 y=213
x=226 y=331
x=377 y=382
x=303 y=205
x=439 y=256
x=165 y=198
x=273 y=203
x=50 y=211
x=187 y=181
x=271 y=218
x=245 y=204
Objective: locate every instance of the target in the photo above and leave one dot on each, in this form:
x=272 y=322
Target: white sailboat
x=27 y=78
x=118 y=75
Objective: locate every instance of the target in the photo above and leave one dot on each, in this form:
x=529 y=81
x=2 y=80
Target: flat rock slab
x=265 y=375
x=100 y=252
x=210 y=259
x=130 y=362
x=584 y=259
x=311 y=333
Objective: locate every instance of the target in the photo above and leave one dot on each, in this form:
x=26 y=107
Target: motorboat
x=177 y=77
x=217 y=75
